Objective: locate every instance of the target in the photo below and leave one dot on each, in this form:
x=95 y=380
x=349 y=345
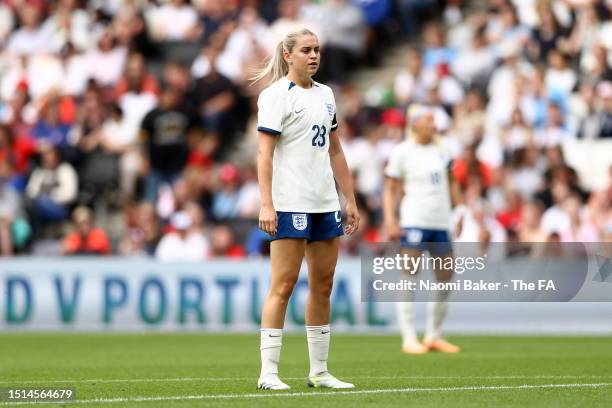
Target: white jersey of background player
x=423 y=170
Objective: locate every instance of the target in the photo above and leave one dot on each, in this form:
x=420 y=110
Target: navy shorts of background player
x=436 y=242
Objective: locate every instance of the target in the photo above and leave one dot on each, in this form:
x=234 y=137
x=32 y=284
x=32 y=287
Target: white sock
x=436 y=312
x=318 y=348
x=270 y=347
x=405 y=317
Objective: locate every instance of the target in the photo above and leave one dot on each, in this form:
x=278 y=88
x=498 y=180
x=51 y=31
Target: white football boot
x=271 y=382
x=326 y=380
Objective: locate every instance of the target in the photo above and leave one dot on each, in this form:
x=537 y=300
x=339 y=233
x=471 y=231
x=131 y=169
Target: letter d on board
x=12 y=285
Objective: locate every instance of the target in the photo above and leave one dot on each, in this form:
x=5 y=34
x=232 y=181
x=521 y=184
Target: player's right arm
x=392 y=193
x=265 y=153
x=271 y=109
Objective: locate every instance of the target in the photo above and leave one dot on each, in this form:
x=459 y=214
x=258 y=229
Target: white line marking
x=314 y=393
x=253 y=378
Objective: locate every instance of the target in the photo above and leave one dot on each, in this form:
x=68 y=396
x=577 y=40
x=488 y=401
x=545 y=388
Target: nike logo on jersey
x=297 y=112
x=269 y=335
x=324 y=332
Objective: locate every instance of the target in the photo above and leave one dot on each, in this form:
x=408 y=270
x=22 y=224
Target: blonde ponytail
x=276 y=66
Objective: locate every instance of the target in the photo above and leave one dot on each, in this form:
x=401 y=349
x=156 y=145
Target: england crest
x=300 y=222
x=414 y=236
x=330 y=109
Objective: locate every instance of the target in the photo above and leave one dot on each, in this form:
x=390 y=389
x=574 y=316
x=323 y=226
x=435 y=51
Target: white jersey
x=423 y=169
x=302 y=119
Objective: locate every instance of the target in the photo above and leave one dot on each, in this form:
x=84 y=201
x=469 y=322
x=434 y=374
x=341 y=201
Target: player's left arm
x=344 y=180
x=455 y=189
x=456 y=199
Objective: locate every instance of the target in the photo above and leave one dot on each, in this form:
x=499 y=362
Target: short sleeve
x=334 y=125
x=271 y=109
x=394 y=164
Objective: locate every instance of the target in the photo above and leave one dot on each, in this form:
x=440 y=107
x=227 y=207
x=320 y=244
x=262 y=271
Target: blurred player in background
x=299 y=156
x=421 y=168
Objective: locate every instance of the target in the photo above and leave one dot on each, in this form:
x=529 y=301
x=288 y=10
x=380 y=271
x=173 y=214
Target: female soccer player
x=421 y=167
x=299 y=157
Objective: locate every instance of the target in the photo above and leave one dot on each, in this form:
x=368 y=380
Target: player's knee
x=322 y=289
x=282 y=291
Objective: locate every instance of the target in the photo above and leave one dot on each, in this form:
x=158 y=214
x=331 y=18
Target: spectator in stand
x=176 y=75
x=119 y=137
x=97 y=168
x=249 y=201
x=68 y=23
x=174 y=20
x=529 y=229
x=475 y=64
x=165 y=133
x=289 y=19
x=224 y=243
x=511 y=214
x=131 y=30
x=411 y=13
x=136 y=78
x=344 y=31
x=213 y=15
x=15 y=232
x=197 y=216
x=214 y=97
x=29 y=39
x=548 y=34
x=246 y=45
x=52 y=188
x=479 y=225
x=436 y=52
x=137 y=91
x=183 y=244
x=468 y=168
x=6 y=23
x=409 y=83
x=366 y=162
x=16 y=152
x=603 y=115
x=226 y=198
x=143 y=233
x=105 y=63
x=581 y=227
x=86 y=238
x=517 y=134
x=555 y=219
x=525 y=173
x=49 y=129
x=560 y=78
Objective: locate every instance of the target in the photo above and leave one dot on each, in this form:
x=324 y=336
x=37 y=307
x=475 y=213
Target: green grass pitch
x=185 y=370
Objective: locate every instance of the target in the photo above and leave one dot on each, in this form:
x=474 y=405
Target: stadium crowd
x=129 y=126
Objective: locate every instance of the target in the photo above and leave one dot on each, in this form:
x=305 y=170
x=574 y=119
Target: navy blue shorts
x=311 y=226
x=436 y=242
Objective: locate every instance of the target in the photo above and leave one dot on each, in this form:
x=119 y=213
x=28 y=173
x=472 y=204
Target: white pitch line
x=367 y=377
x=319 y=394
